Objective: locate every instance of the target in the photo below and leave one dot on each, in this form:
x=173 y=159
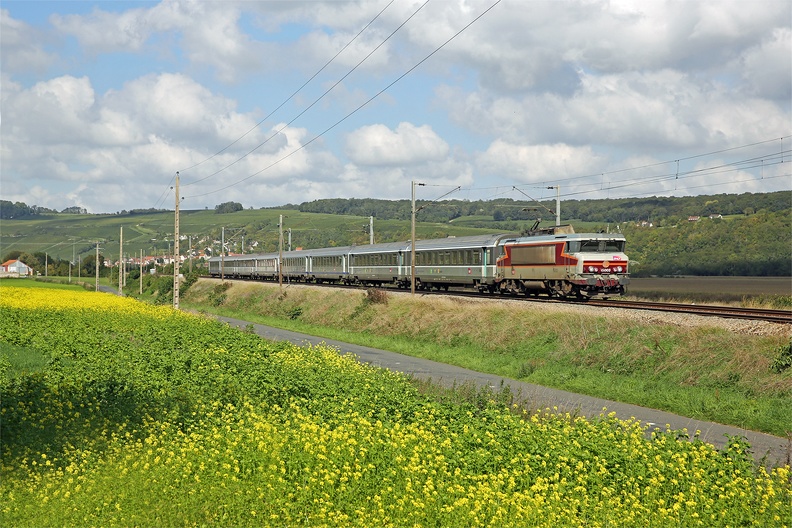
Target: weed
x=376 y=296
x=218 y=294
x=783 y=359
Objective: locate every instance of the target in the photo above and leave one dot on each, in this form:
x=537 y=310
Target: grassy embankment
x=702 y=372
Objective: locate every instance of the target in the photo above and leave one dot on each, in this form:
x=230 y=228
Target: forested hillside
x=659 y=210
x=756 y=245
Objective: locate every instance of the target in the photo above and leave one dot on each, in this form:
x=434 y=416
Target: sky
x=267 y=103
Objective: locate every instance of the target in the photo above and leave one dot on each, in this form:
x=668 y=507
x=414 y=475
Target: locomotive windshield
x=595 y=246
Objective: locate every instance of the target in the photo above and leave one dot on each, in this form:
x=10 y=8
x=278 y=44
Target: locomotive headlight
x=592 y=269
x=618 y=269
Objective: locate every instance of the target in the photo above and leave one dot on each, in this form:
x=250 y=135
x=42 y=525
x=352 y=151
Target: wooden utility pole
x=280 y=252
x=412 y=241
x=176 y=249
x=121 y=264
x=97 y=266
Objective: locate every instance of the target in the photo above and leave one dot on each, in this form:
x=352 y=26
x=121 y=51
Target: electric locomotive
x=561 y=263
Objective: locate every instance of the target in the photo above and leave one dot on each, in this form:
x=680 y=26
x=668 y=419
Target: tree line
x=667 y=210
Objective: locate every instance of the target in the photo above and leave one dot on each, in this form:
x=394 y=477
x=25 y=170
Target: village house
x=16 y=268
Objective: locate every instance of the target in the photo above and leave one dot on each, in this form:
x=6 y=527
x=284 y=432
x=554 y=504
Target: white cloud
x=118 y=99
x=407 y=145
x=106 y=32
x=538 y=163
x=766 y=69
x=21 y=46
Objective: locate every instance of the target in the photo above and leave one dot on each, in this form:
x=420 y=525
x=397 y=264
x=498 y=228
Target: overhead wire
x=168 y=188
x=298 y=90
x=765 y=160
x=331 y=88
x=347 y=116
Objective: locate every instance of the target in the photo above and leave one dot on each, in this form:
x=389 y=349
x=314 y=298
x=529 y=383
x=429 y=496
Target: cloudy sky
x=274 y=102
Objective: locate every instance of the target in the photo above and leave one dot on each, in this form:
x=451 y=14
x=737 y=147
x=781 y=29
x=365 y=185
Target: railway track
x=756 y=314
x=773 y=316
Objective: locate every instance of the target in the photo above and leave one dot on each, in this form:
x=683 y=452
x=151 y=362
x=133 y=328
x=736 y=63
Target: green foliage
x=757 y=245
x=218 y=294
x=160 y=418
x=783 y=359
x=228 y=207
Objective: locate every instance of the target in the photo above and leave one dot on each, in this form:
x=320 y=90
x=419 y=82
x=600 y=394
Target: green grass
x=17 y=361
x=165 y=419
x=704 y=373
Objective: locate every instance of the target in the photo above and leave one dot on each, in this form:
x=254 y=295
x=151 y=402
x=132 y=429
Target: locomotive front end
x=602 y=266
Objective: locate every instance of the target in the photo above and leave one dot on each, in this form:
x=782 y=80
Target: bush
x=376 y=296
x=783 y=359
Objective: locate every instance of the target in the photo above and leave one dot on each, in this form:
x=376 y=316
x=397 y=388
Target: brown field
x=735 y=285
x=776 y=290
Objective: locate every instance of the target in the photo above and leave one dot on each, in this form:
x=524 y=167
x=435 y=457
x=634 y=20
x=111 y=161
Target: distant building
x=16 y=268
x=694 y=218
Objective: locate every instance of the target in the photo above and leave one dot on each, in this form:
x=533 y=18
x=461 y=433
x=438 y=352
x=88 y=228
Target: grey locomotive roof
x=571 y=236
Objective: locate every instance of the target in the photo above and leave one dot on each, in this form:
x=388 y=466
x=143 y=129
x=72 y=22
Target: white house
x=16 y=267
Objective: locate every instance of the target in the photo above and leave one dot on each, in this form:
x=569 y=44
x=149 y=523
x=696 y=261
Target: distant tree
x=13 y=255
x=75 y=209
x=228 y=207
x=10 y=210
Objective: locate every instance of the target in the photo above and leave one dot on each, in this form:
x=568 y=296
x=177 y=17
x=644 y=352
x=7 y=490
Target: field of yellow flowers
x=144 y=416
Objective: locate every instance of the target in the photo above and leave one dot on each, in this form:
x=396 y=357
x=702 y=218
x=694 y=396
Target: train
x=553 y=261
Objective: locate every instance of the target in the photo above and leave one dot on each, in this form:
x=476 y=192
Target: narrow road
x=774 y=449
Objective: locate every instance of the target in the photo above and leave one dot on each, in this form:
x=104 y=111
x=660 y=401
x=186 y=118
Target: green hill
x=747 y=234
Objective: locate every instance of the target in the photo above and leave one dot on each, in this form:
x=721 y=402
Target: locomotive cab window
x=595 y=246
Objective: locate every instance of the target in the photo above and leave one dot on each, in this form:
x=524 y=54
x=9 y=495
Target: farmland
x=140 y=415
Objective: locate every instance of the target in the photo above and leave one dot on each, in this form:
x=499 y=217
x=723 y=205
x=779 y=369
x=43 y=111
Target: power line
x=298 y=90
x=303 y=146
